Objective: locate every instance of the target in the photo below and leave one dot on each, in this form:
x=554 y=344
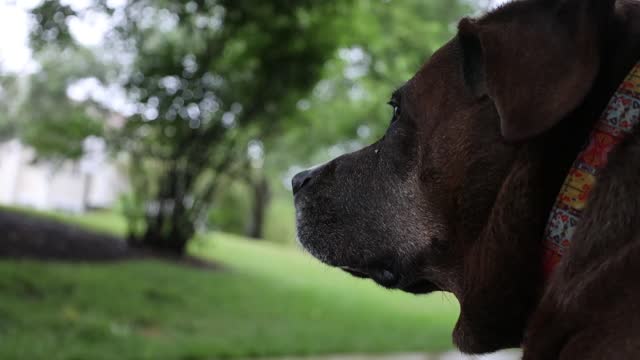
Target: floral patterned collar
x=616 y=123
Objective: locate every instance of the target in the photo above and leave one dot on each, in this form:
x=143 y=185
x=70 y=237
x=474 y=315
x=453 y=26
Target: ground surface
x=28 y=236
x=450 y=355
x=48 y=236
x=267 y=301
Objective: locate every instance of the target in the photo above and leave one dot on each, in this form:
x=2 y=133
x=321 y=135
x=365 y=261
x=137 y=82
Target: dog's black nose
x=300 y=180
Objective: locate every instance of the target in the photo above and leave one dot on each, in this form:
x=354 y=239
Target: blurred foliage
x=388 y=42
x=50 y=111
x=207 y=77
x=12 y=96
x=280 y=226
x=36 y=107
x=229 y=211
x=210 y=80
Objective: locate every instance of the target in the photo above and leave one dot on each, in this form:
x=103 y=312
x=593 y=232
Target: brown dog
x=456 y=195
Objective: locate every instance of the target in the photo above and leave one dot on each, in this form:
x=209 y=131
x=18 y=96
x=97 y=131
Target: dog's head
x=449 y=199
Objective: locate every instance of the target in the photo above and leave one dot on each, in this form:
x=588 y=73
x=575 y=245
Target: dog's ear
x=536 y=60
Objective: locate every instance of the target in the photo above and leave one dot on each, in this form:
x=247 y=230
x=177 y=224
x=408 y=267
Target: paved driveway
x=503 y=355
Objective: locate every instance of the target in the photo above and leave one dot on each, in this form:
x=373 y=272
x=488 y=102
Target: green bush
x=231 y=209
x=280 y=224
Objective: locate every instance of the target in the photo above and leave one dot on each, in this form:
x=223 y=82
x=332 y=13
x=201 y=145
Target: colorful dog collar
x=614 y=125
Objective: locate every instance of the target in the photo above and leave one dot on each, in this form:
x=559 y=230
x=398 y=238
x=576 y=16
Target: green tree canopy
x=207 y=76
x=387 y=43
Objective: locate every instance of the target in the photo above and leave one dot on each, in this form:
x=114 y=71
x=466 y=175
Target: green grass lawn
x=269 y=301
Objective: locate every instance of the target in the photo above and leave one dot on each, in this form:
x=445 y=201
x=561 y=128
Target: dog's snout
x=300 y=180
x=304 y=178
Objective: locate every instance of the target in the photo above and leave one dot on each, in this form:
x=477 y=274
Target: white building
x=76 y=186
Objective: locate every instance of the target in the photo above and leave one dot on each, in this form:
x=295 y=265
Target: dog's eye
x=396 y=110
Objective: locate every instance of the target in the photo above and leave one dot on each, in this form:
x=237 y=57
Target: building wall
x=10 y=158
x=75 y=186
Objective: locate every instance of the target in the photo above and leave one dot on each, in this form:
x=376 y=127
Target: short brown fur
x=456 y=196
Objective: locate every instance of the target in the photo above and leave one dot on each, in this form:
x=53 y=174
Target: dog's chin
x=382 y=271
x=386 y=276
x=390 y=280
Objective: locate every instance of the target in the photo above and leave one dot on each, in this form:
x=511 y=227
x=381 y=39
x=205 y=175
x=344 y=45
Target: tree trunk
x=86 y=192
x=261 y=197
x=169 y=233
x=170 y=225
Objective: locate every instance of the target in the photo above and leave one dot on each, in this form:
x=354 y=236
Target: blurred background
x=146 y=152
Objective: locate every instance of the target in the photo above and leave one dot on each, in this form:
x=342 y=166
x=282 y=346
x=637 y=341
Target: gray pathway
x=503 y=355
